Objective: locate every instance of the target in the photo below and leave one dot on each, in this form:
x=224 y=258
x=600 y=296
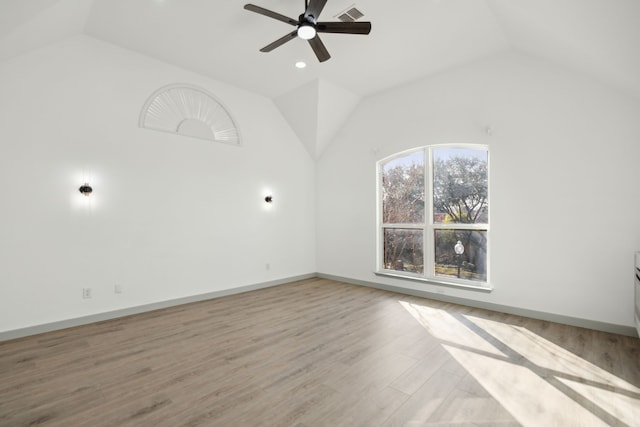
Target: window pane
x=403 y=189
x=403 y=250
x=460 y=186
x=471 y=264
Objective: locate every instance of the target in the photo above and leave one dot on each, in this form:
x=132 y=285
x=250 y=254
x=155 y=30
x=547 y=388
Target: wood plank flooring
x=321 y=353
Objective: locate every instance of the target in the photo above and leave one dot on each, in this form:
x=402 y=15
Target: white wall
x=173 y=216
x=565 y=182
x=170 y=216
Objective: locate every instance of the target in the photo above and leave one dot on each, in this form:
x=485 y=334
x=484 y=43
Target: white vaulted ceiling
x=409 y=40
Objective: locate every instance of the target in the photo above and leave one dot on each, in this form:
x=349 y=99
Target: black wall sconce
x=85 y=189
x=268 y=199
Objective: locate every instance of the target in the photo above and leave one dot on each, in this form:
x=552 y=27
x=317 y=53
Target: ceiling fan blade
x=319 y=49
x=270 y=14
x=314 y=9
x=344 y=27
x=280 y=41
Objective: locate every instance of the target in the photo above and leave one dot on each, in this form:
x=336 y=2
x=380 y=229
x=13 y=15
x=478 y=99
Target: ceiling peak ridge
x=324 y=110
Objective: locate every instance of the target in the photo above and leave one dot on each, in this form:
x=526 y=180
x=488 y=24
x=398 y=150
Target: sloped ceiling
x=316 y=111
x=601 y=38
x=26 y=25
x=409 y=40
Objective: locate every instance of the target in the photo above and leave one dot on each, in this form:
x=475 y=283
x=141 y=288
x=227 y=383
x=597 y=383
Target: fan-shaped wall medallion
x=190 y=111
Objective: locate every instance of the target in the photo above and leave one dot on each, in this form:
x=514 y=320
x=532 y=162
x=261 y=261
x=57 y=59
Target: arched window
x=189 y=111
x=434 y=214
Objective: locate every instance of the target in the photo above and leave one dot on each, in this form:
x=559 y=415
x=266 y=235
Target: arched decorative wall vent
x=190 y=111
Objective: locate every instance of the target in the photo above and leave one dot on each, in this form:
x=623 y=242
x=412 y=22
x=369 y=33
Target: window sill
x=482 y=288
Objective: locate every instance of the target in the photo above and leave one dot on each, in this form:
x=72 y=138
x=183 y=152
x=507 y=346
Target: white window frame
x=428 y=227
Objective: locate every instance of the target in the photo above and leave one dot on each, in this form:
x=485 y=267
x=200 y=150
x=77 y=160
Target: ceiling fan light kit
x=306 y=31
x=308 y=27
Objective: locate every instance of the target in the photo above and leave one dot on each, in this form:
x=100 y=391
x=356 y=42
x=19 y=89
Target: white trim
x=219 y=119
x=429 y=239
x=403 y=226
x=436 y=280
x=532 y=314
x=109 y=315
x=428 y=227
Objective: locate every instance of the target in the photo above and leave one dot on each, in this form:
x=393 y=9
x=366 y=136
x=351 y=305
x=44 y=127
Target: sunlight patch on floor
x=515 y=365
x=441 y=325
x=550 y=356
x=621 y=405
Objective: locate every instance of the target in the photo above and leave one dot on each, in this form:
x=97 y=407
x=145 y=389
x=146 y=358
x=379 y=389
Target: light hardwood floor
x=321 y=353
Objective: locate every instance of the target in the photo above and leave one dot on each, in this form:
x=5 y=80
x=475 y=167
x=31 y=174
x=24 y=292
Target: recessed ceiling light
x=301 y=64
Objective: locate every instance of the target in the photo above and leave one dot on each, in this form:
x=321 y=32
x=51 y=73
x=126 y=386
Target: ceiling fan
x=308 y=27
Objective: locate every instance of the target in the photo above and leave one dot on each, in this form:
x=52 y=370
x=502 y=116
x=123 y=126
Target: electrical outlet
x=118 y=289
x=86 y=293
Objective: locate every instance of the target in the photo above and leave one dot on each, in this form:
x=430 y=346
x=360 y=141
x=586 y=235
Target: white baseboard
x=99 y=317
x=533 y=314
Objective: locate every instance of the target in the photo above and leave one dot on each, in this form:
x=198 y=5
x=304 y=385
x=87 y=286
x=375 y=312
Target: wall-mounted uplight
x=301 y=64
x=268 y=199
x=85 y=189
